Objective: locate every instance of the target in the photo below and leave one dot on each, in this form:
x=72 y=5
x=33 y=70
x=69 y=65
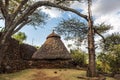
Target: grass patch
x=22 y=75
x=65 y=74
x=35 y=74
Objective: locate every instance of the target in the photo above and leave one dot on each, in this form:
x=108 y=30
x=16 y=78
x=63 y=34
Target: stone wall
x=16 y=56
x=49 y=63
x=26 y=51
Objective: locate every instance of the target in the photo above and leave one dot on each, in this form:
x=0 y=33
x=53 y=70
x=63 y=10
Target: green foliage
x=114 y=58
x=111 y=40
x=102 y=28
x=103 y=63
x=38 y=18
x=76 y=30
x=72 y=29
x=37 y=47
x=79 y=57
x=20 y=36
x=110 y=58
x=110 y=61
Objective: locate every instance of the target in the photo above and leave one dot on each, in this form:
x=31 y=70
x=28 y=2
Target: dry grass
x=46 y=74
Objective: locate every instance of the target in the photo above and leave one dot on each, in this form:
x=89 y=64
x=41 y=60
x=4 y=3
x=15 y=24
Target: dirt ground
x=42 y=76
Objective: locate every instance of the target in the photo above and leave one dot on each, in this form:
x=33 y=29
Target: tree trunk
x=3 y=48
x=91 y=51
x=91 y=46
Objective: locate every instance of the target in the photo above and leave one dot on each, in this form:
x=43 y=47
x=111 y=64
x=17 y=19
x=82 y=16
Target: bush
x=79 y=58
x=109 y=61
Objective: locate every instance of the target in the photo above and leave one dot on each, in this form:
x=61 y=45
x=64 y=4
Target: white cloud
x=107 y=11
x=112 y=19
x=103 y=7
x=53 y=12
x=80 y=6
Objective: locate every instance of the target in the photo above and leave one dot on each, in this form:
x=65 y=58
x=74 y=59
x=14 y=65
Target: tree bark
x=91 y=45
x=91 y=51
x=3 y=48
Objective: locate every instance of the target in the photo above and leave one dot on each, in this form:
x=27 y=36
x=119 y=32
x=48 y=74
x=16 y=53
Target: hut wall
x=49 y=63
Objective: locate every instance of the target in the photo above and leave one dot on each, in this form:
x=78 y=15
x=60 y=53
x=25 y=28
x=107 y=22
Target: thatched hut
x=53 y=48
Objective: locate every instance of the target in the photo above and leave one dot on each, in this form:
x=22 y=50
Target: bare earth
x=42 y=76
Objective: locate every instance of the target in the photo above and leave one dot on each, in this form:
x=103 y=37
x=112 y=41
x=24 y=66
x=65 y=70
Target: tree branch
x=23 y=2
x=3 y=10
x=60 y=1
x=20 y=26
x=99 y=35
x=32 y=8
x=6 y=4
x=1 y=3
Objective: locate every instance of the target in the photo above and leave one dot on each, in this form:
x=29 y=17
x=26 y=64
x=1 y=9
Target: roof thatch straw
x=53 y=48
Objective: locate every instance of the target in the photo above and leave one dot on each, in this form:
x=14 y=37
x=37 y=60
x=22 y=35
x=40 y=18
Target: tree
x=114 y=58
x=110 y=60
x=18 y=14
x=110 y=57
x=20 y=36
x=79 y=57
x=110 y=40
x=103 y=62
x=112 y=50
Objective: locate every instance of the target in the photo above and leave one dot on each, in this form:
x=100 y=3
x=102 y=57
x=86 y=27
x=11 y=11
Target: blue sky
x=38 y=36
x=101 y=10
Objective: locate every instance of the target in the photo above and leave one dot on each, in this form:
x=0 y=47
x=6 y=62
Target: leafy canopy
x=77 y=30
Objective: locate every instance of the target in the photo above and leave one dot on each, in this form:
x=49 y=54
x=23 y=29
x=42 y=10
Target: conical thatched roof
x=53 y=48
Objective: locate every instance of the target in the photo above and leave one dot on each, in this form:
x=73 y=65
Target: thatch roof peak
x=53 y=34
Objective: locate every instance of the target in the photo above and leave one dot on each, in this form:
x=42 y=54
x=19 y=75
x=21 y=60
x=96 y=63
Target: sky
x=107 y=11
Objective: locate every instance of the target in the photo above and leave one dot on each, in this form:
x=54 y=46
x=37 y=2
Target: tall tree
x=18 y=14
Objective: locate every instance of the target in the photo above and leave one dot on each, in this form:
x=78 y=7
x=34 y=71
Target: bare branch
x=19 y=7
x=32 y=8
x=1 y=3
x=20 y=26
x=3 y=9
x=6 y=4
x=99 y=35
x=60 y=1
